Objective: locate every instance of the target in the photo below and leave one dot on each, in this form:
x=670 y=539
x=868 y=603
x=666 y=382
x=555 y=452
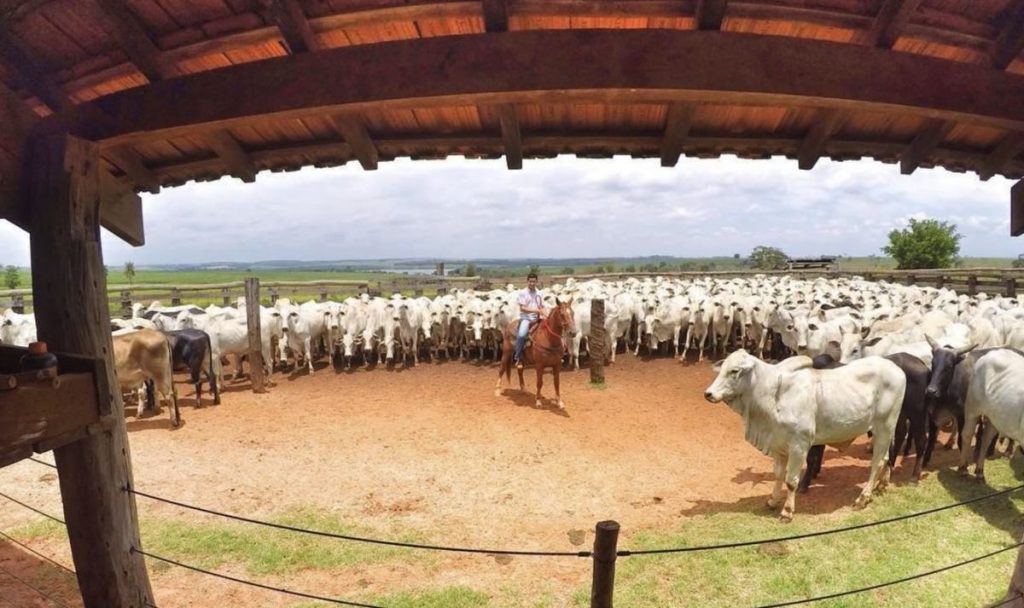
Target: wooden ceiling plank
x=678 y=120
x=710 y=13
x=1010 y=41
x=294 y=26
x=133 y=39
x=813 y=145
x=927 y=140
x=1008 y=149
x=32 y=73
x=353 y=130
x=892 y=18
x=224 y=144
x=495 y=15
x=511 y=136
x=129 y=161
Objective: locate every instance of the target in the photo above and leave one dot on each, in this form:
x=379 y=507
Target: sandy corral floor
x=430 y=451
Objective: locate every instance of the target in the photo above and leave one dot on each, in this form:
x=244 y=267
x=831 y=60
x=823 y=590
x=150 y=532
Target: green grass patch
x=445 y=597
x=597 y=386
x=39 y=530
x=759 y=575
x=263 y=550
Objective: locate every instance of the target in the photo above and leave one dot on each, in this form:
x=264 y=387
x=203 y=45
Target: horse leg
x=540 y=379
x=558 y=393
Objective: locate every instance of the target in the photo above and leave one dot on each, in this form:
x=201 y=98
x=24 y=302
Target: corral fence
x=971 y=281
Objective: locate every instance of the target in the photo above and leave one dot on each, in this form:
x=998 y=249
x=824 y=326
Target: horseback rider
x=531 y=307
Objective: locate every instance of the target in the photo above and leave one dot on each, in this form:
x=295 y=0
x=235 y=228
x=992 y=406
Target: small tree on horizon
x=767 y=258
x=11 y=277
x=129 y=272
x=924 y=243
x=470 y=270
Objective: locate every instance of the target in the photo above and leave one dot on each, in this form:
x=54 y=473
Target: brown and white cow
x=146 y=355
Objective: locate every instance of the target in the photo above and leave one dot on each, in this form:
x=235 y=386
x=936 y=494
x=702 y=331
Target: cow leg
x=967 y=432
x=700 y=347
x=918 y=433
x=540 y=380
x=197 y=382
x=309 y=355
x=987 y=437
x=814 y=457
x=879 y=456
x=897 y=441
x=794 y=464
x=675 y=340
x=933 y=436
x=780 y=476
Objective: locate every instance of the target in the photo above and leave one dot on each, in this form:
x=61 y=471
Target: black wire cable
x=360 y=539
x=255 y=584
x=33 y=588
x=891 y=583
x=33 y=509
x=42 y=462
x=38 y=554
x=780 y=539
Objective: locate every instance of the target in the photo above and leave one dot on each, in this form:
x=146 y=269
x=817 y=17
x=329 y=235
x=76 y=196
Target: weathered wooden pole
x=252 y=319
x=126 y=304
x=225 y=296
x=972 y=285
x=1011 y=287
x=597 y=341
x=606 y=540
x=18 y=304
x=73 y=316
x=175 y=296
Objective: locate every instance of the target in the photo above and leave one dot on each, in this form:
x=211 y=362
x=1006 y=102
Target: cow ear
x=873 y=341
x=717 y=365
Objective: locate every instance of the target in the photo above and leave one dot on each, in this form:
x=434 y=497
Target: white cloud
x=556 y=208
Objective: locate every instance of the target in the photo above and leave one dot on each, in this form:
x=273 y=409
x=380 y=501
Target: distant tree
x=630 y=268
x=735 y=256
x=568 y=270
x=535 y=268
x=470 y=270
x=662 y=265
x=11 y=277
x=705 y=267
x=767 y=258
x=129 y=271
x=924 y=244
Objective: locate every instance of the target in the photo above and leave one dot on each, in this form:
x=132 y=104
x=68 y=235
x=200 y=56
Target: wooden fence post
x=940 y=281
x=972 y=285
x=18 y=304
x=606 y=540
x=597 y=341
x=1015 y=594
x=1011 y=287
x=126 y=305
x=911 y=279
x=175 y=297
x=273 y=295
x=323 y=294
x=225 y=296
x=252 y=316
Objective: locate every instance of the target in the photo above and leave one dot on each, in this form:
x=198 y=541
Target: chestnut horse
x=546 y=349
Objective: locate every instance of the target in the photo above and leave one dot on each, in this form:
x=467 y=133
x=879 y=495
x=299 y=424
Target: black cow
x=191 y=350
x=914 y=416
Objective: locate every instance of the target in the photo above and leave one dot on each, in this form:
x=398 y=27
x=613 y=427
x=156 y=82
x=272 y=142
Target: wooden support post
x=252 y=317
x=602 y=589
x=1011 y=287
x=323 y=294
x=175 y=296
x=1015 y=594
x=972 y=285
x=62 y=178
x=126 y=304
x=596 y=341
x=940 y=281
x=225 y=296
x=18 y=304
x=911 y=279
x=274 y=295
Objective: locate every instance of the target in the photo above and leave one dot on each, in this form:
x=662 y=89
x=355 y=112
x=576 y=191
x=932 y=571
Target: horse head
x=563 y=314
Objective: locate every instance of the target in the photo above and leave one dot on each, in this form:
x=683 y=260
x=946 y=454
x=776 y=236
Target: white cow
x=17 y=329
x=996 y=391
x=788 y=407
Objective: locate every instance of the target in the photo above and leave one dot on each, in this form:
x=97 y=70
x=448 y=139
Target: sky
x=556 y=208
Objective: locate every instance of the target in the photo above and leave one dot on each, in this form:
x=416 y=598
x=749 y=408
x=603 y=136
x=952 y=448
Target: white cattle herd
x=787 y=406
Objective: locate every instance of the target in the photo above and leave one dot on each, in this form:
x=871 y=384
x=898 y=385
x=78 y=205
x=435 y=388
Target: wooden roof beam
x=353 y=130
x=128 y=160
x=32 y=74
x=495 y=15
x=926 y=141
x=813 y=145
x=133 y=39
x=710 y=13
x=1010 y=41
x=294 y=26
x=1010 y=148
x=230 y=151
x=511 y=136
x=892 y=18
x=678 y=121
x=1017 y=209
x=121 y=211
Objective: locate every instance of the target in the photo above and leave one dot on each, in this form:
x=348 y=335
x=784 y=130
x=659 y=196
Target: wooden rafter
x=892 y=18
x=678 y=121
x=710 y=13
x=230 y=151
x=495 y=15
x=510 y=136
x=1011 y=147
x=289 y=18
x=924 y=143
x=32 y=74
x=134 y=40
x=128 y=160
x=813 y=145
x=353 y=130
x=1010 y=41
x=1017 y=209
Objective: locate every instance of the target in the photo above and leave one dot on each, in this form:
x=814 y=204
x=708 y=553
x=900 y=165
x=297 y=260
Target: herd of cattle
x=853 y=356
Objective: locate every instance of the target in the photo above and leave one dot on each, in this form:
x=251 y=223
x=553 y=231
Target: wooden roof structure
x=179 y=90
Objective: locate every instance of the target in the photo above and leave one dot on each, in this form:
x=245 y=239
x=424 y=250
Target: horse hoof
x=561 y=405
x=979 y=477
x=962 y=470
x=539 y=404
x=497 y=392
x=786 y=516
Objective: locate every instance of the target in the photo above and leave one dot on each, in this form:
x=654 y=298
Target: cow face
x=944 y=362
x=734 y=377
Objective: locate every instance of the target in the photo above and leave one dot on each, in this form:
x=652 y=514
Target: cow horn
x=965 y=349
x=931 y=342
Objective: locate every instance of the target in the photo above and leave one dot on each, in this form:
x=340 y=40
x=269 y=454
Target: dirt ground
x=431 y=450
